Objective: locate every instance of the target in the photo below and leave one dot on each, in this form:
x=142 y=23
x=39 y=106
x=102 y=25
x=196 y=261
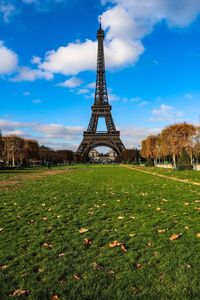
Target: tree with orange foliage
x=176 y=137
x=150 y=147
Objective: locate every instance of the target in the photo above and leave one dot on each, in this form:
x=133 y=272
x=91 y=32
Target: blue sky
x=48 y=61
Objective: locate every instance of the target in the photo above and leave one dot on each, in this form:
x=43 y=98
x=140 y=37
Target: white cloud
x=57 y=136
x=78 y=57
x=28 y=74
x=72 y=59
x=8 y=60
x=36 y=60
x=17 y=132
x=71 y=83
x=166 y=113
x=143 y=103
x=7 y=10
x=59 y=131
x=8 y=125
x=113 y=97
x=126 y=23
x=82 y=91
x=91 y=85
x=149 y=12
x=132 y=136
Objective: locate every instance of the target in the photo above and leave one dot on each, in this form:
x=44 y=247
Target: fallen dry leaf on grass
x=83 y=230
x=150 y=244
x=158 y=209
x=61 y=254
x=198 y=235
x=186 y=203
x=175 y=237
x=3 y=267
x=161 y=230
x=164 y=200
x=87 y=242
x=63 y=281
x=30 y=222
x=77 y=276
x=115 y=244
x=54 y=297
x=123 y=247
x=120 y=218
x=118 y=244
x=48 y=246
x=132 y=234
x=197 y=208
x=189 y=266
x=139 y=266
x=143 y=194
x=20 y=292
x=111 y=272
x=97 y=266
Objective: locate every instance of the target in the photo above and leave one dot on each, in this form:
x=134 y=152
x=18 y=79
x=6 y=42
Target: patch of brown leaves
x=118 y=244
x=20 y=292
x=175 y=237
x=83 y=230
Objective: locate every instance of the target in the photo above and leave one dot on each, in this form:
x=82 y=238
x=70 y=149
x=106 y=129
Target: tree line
x=166 y=146
x=15 y=150
x=169 y=143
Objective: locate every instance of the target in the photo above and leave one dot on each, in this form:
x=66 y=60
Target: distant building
x=97 y=157
x=112 y=155
x=93 y=154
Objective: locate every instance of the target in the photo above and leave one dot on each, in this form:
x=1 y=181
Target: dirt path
x=162 y=176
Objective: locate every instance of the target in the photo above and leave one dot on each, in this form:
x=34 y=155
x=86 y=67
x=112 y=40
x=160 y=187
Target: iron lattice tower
x=101 y=109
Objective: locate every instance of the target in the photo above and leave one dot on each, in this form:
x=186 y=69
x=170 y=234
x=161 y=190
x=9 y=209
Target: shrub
x=184 y=162
x=149 y=162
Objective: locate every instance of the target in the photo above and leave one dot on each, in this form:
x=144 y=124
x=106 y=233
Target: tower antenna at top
x=100 y=19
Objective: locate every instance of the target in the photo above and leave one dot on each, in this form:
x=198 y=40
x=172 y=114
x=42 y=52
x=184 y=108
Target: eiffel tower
x=101 y=109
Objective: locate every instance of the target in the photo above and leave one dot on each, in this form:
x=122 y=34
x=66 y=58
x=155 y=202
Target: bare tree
x=14 y=148
x=1 y=146
x=31 y=150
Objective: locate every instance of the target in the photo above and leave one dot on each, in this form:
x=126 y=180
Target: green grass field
x=186 y=175
x=43 y=252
